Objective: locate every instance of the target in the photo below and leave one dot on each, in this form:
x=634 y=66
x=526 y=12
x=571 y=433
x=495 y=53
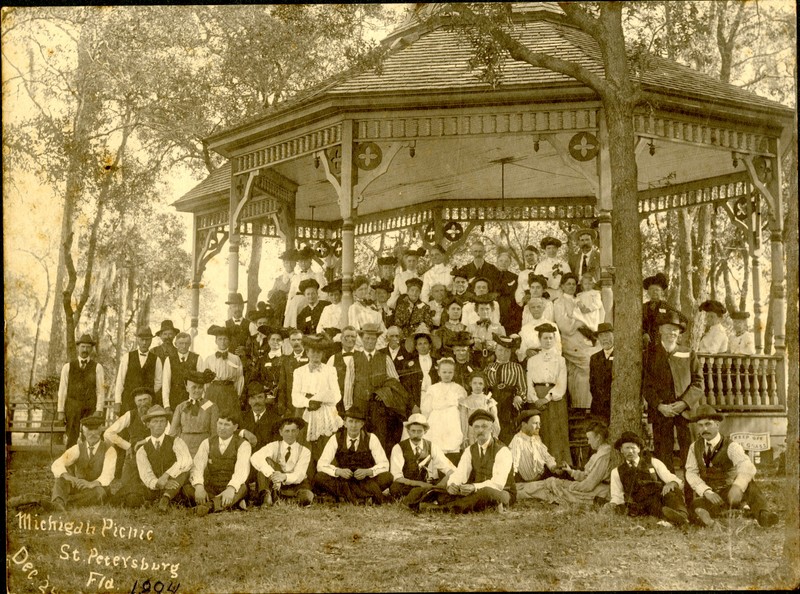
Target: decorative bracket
x=760 y=170
x=589 y=172
x=381 y=165
x=243 y=190
x=212 y=245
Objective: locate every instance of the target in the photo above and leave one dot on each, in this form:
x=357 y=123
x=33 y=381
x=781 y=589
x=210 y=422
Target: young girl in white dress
x=440 y=406
x=589 y=303
x=478 y=399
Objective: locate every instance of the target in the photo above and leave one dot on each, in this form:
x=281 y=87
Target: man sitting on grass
x=84 y=472
x=221 y=467
x=163 y=463
x=283 y=466
x=643 y=485
x=532 y=461
x=353 y=465
x=721 y=473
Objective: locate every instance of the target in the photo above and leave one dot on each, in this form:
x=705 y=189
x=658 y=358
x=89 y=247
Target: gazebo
x=424 y=144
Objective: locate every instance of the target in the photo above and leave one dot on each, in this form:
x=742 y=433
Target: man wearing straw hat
x=81 y=389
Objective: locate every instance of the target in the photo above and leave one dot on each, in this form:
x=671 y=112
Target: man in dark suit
x=342 y=362
x=587 y=258
x=600 y=374
x=259 y=424
x=81 y=389
x=655 y=307
x=176 y=366
x=238 y=326
x=308 y=317
x=395 y=347
x=139 y=368
x=166 y=334
x=479 y=267
x=297 y=358
x=419 y=371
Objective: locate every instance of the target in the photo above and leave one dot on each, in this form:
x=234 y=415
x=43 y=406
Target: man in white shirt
x=485 y=474
x=531 y=257
x=532 y=461
x=137 y=368
x=353 y=465
x=85 y=470
x=411 y=260
x=438 y=273
x=81 y=390
x=221 y=467
x=642 y=485
x=715 y=339
x=283 y=467
x=128 y=432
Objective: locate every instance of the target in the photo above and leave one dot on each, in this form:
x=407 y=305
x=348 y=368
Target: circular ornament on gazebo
x=322 y=248
x=453 y=231
x=584 y=146
x=429 y=233
x=368 y=155
x=337 y=248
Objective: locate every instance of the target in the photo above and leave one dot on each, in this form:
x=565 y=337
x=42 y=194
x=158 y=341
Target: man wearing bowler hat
x=238 y=326
x=139 y=368
x=600 y=373
x=721 y=474
x=85 y=470
x=715 y=339
x=672 y=385
x=353 y=465
x=176 y=368
x=655 y=307
x=587 y=259
x=81 y=390
x=166 y=334
x=642 y=485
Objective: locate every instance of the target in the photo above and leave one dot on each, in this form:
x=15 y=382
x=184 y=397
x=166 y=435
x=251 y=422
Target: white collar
x=223 y=444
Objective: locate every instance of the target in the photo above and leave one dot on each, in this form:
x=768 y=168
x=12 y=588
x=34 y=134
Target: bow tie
x=222 y=354
x=484 y=323
x=273 y=354
x=194 y=407
x=239 y=321
x=350 y=354
x=141 y=354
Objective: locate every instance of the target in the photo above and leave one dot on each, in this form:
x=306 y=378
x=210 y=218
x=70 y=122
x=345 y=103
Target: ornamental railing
x=744 y=383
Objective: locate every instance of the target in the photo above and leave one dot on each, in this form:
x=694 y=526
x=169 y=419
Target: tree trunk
x=253 y=268
x=702 y=275
x=745 y=280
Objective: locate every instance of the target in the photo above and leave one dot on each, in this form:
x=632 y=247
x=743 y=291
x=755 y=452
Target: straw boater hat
x=706 y=411
x=422 y=332
x=167 y=325
x=578 y=233
x=657 y=279
x=417 y=419
x=85 y=339
x=713 y=306
x=672 y=317
x=155 y=412
x=629 y=437
x=370 y=329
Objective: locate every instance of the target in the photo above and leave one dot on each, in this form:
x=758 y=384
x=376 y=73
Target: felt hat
x=144 y=332
x=387 y=261
x=370 y=329
x=578 y=233
x=290 y=255
x=215 y=330
x=359 y=281
x=459 y=273
x=93 y=421
x=142 y=390
x=527 y=414
x=382 y=285
x=309 y=283
x=531 y=248
x=546 y=327
x=414 y=282
x=480 y=414
x=335 y=286
x=85 y=339
x=657 y=279
x=461 y=338
x=154 y=412
x=672 y=317
x=254 y=388
x=418 y=252
x=417 y=419
x=706 y=411
x=740 y=315
x=629 y=437
x=549 y=240
x=305 y=253
x=200 y=377
x=604 y=327
x=268 y=331
x=288 y=420
x=510 y=342
x=356 y=412
x=167 y=325
x=319 y=342
x=235 y=299
x=713 y=306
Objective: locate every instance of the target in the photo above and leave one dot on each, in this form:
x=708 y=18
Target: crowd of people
x=411 y=394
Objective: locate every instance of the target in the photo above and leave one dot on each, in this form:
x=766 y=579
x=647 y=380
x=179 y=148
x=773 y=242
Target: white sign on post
x=752 y=443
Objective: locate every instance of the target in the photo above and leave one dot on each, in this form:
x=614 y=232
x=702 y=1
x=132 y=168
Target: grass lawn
x=534 y=546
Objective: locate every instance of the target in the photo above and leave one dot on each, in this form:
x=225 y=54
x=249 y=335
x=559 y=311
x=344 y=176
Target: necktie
x=222 y=355
x=258 y=417
x=707 y=455
x=183 y=359
x=369 y=357
x=288 y=454
x=418 y=452
x=83 y=364
x=585 y=263
x=352 y=447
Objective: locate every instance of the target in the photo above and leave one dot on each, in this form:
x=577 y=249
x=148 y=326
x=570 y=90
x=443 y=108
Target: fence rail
x=744 y=383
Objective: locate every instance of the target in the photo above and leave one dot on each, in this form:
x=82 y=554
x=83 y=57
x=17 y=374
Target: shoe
x=767 y=518
x=163 y=504
x=675 y=517
x=266 y=499
x=426 y=506
x=243 y=505
x=202 y=510
x=58 y=505
x=501 y=509
x=705 y=517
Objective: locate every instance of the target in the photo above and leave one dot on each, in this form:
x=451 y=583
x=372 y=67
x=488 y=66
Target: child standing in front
x=440 y=406
x=478 y=399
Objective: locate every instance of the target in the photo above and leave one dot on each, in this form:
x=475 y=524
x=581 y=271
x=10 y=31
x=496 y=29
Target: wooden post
x=348 y=225
x=778 y=296
x=754 y=242
x=604 y=206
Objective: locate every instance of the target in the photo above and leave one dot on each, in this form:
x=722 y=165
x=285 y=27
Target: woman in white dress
x=363 y=311
x=440 y=406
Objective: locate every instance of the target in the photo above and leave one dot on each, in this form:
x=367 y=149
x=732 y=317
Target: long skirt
x=577 y=350
x=555 y=430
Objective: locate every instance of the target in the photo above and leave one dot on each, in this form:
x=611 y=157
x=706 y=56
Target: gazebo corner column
x=604 y=207
x=241 y=188
x=778 y=295
x=348 y=224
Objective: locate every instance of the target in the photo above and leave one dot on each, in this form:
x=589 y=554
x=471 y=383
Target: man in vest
x=587 y=259
x=353 y=465
x=297 y=358
x=672 y=385
x=85 y=470
x=259 y=423
x=128 y=432
x=166 y=334
x=239 y=327
x=163 y=463
x=342 y=362
x=282 y=467
x=138 y=368
x=642 y=485
x=417 y=464
x=600 y=373
x=721 y=474
x=177 y=366
x=485 y=474
x=81 y=389
x=221 y=467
